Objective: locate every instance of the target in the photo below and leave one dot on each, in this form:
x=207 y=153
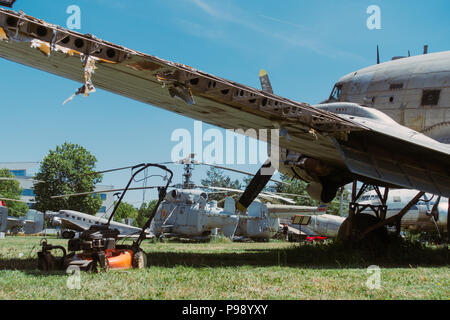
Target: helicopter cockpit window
x=336 y=93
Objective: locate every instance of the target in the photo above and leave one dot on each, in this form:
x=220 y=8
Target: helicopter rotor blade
x=236 y=170
x=101 y=191
x=194 y=162
x=265 y=195
x=16 y=179
x=15 y=200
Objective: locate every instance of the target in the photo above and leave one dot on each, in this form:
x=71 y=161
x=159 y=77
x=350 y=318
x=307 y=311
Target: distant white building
x=21 y=171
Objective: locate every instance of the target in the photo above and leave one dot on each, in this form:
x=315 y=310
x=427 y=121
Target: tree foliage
x=295 y=186
x=10 y=189
x=298 y=187
x=67 y=169
x=144 y=212
x=126 y=211
x=216 y=178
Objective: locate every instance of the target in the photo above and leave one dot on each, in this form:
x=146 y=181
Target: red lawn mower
x=96 y=247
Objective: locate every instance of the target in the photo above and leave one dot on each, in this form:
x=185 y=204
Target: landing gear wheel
x=68 y=234
x=139 y=260
x=359 y=223
x=45 y=262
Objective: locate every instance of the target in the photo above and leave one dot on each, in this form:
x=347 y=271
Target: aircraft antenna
x=378 y=55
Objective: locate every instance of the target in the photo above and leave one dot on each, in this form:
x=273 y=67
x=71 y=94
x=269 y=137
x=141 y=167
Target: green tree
x=144 y=212
x=10 y=189
x=67 y=169
x=298 y=187
x=124 y=211
x=216 y=178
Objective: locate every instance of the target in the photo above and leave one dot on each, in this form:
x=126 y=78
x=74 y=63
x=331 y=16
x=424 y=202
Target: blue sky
x=306 y=46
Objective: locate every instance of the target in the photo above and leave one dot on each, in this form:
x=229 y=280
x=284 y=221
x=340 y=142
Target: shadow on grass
x=29 y=265
x=332 y=255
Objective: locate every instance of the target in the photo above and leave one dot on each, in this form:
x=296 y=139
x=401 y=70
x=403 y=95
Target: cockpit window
x=336 y=93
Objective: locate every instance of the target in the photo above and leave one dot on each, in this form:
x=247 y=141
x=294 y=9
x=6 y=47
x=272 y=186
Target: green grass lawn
x=225 y=270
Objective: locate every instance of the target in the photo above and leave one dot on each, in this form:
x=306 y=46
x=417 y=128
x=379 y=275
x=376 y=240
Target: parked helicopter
x=188 y=213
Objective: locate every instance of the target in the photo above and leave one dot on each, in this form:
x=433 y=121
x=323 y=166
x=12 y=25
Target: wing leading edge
x=336 y=142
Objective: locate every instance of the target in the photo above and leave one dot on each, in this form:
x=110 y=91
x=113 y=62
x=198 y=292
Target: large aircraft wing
x=341 y=149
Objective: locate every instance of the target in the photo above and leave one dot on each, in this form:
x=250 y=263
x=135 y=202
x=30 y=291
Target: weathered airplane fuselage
x=414 y=91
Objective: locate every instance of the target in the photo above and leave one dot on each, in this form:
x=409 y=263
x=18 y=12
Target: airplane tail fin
x=229 y=205
x=34 y=223
x=322 y=207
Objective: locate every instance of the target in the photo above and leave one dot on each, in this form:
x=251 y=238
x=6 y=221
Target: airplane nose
x=55 y=222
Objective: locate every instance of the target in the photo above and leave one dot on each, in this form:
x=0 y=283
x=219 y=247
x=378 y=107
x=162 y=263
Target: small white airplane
x=74 y=221
x=428 y=215
x=422 y=217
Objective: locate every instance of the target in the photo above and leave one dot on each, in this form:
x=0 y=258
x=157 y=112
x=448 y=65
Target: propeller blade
x=255 y=186
x=265 y=82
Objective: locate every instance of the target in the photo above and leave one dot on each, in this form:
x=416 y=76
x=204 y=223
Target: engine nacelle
x=314 y=190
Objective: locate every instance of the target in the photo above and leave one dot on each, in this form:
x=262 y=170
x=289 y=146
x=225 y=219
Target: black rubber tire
x=68 y=234
x=46 y=263
x=139 y=260
x=360 y=223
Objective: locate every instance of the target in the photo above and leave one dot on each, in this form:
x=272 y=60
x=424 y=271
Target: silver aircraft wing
x=68 y=224
x=342 y=149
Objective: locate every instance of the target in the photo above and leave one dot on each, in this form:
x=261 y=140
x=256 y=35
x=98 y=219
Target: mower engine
x=98 y=248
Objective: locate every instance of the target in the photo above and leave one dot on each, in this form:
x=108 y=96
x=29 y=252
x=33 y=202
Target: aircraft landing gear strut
x=361 y=226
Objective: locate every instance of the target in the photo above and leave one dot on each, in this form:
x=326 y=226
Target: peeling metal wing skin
x=340 y=143
x=168 y=85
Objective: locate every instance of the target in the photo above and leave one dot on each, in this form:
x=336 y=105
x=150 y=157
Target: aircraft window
x=78 y=218
x=395 y=86
x=430 y=97
x=336 y=93
x=397 y=199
